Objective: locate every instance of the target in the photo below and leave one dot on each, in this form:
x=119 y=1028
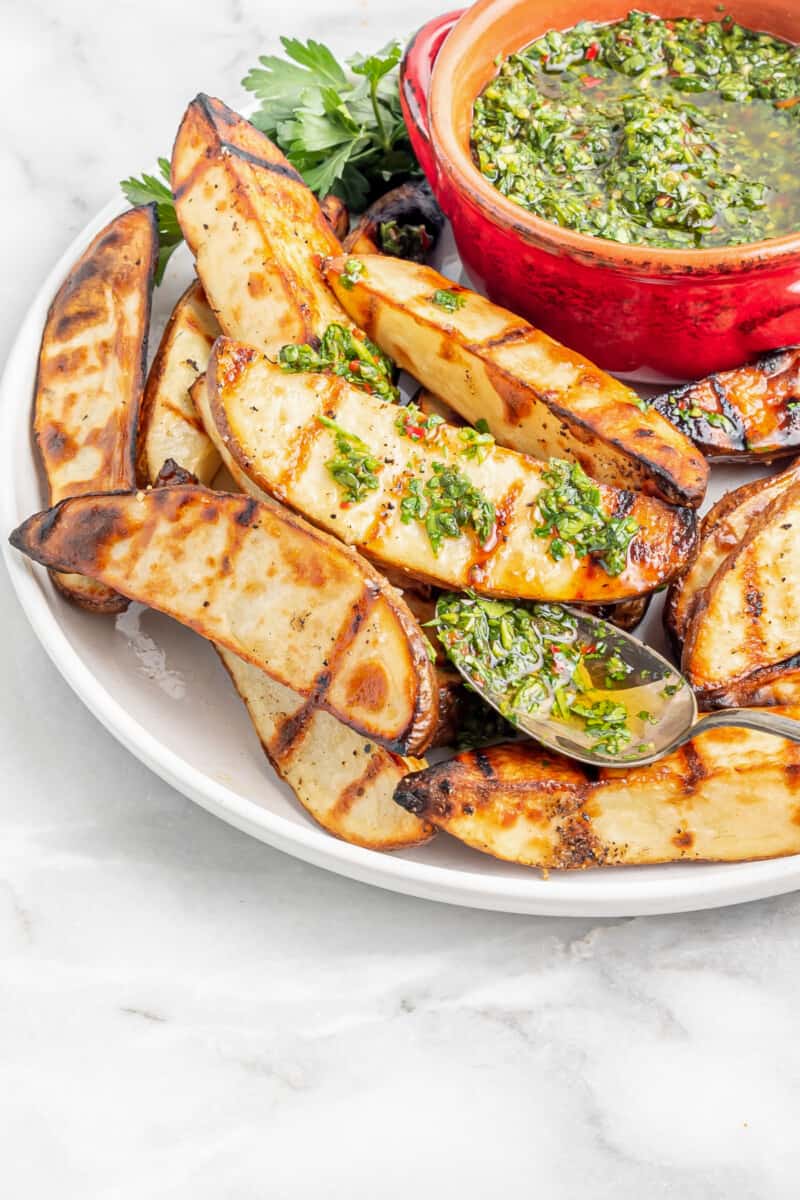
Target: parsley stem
x=376 y=108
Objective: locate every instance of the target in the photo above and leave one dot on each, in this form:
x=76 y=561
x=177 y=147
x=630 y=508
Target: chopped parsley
x=449 y=301
x=530 y=657
x=571 y=514
x=351 y=273
x=478 y=442
x=354 y=467
x=416 y=425
x=348 y=354
x=447 y=503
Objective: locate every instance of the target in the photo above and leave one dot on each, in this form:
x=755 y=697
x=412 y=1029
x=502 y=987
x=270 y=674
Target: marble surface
x=186 y=1014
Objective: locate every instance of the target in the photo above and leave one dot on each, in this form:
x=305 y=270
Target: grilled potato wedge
x=260 y=582
x=729 y=795
x=536 y=396
x=750 y=413
x=746 y=623
x=345 y=783
x=91 y=373
x=169 y=426
x=255 y=229
x=722 y=529
x=269 y=422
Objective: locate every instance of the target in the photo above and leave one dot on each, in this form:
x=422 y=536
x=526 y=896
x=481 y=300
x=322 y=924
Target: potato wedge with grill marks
x=344 y=782
x=260 y=582
x=722 y=529
x=255 y=229
x=169 y=426
x=91 y=373
x=743 y=415
x=269 y=422
x=536 y=395
x=746 y=624
x=729 y=795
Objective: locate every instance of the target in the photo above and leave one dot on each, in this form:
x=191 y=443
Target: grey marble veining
x=186 y=1014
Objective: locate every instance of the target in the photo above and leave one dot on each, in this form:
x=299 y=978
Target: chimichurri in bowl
x=676 y=133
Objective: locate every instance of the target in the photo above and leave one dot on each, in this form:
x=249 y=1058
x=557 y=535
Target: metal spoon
x=653 y=685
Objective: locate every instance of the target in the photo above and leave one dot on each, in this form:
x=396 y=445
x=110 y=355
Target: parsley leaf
x=145 y=191
x=340 y=125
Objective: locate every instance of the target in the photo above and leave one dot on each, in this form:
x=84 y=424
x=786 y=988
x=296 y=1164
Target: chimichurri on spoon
x=577 y=684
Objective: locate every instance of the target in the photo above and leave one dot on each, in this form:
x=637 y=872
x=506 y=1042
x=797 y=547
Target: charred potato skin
x=255 y=229
x=745 y=627
x=721 y=530
x=240 y=382
x=137 y=542
x=755 y=409
x=723 y=797
x=536 y=395
x=98 y=320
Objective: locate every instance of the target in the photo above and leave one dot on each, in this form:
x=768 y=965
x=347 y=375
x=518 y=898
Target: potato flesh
x=170 y=426
x=729 y=796
x=749 y=615
x=535 y=394
x=281 y=595
x=268 y=420
x=344 y=782
x=256 y=230
x=91 y=374
x=722 y=531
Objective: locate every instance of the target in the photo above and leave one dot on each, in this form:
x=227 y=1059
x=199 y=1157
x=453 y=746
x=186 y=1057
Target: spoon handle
x=747 y=718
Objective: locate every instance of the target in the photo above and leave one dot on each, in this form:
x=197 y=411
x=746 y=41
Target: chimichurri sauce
x=674 y=133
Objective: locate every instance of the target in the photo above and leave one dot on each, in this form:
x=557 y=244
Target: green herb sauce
x=674 y=133
x=449 y=301
x=570 y=513
x=342 y=352
x=353 y=270
x=531 y=658
x=447 y=503
x=354 y=468
x=416 y=425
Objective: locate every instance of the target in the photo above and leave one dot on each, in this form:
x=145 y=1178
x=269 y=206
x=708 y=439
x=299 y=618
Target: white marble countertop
x=186 y=1014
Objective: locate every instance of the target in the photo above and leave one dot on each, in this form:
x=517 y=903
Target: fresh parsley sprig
x=339 y=124
x=149 y=189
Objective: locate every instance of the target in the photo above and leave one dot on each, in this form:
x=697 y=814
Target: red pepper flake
x=355 y=366
x=590 y=81
x=592 y=52
x=344 y=504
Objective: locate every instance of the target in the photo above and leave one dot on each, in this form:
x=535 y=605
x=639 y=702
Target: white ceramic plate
x=162 y=692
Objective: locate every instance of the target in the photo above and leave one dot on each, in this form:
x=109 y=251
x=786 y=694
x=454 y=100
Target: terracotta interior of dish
x=501 y=27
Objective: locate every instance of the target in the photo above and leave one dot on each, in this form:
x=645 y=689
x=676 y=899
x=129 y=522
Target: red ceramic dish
x=674 y=314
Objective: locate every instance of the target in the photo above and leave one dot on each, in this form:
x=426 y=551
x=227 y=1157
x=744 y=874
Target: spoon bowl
x=617 y=669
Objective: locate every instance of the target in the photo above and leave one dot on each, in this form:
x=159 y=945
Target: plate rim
x=705 y=885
